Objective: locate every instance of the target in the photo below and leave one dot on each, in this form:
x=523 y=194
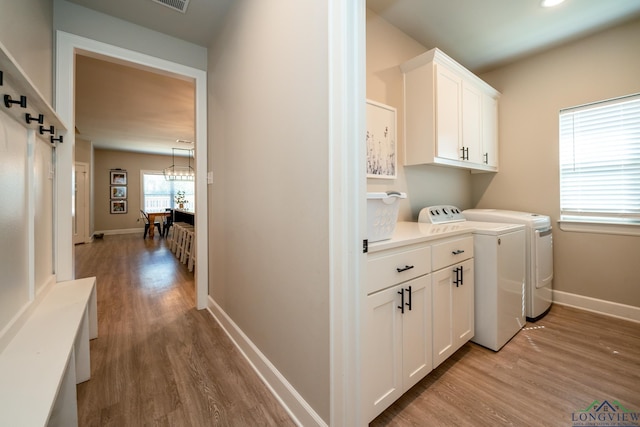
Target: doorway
x=68 y=46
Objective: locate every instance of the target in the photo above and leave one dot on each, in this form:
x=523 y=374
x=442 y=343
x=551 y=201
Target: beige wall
x=268 y=133
x=26 y=32
x=425 y=185
x=133 y=163
x=83 y=150
x=533 y=91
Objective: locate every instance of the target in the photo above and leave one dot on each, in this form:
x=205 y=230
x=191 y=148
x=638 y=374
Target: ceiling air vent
x=179 y=5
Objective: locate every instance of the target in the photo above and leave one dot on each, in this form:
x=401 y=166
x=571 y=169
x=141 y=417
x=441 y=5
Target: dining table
x=152 y=220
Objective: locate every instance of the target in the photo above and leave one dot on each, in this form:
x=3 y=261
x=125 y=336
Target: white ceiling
x=484 y=34
x=142 y=111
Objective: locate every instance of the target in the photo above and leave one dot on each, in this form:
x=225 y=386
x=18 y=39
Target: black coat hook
x=50 y=129
x=8 y=101
x=30 y=118
x=58 y=139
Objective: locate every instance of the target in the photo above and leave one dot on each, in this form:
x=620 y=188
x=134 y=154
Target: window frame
x=607 y=222
x=144 y=172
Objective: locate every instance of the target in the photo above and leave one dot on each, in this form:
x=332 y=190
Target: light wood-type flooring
x=158 y=361
x=550 y=370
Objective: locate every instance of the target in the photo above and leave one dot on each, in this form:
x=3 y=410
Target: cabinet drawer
x=452 y=252
x=388 y=268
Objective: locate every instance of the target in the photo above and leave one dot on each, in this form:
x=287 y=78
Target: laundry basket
x=382 y=214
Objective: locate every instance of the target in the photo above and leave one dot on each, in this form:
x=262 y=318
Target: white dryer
x=539 y=255
x=499 y=274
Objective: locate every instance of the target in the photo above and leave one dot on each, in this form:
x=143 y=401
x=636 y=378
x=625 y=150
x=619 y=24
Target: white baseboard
x=299 y=410
x=608 y=308
x=120 y=231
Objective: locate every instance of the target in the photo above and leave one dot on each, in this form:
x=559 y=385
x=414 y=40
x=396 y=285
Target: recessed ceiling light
x=550 y=3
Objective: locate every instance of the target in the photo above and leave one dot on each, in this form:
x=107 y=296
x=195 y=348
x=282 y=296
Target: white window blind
x=600 y=162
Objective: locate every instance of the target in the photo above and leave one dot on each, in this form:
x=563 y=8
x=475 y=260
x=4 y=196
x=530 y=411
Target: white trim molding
x=67 y=45
x=300 y=411
x=608 y=308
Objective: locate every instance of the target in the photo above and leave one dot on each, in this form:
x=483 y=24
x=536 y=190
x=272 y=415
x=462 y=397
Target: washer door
x=543 y=244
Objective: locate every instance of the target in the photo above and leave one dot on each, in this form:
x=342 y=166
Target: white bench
x=48 y=356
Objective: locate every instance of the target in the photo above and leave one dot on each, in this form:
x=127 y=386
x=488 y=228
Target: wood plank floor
x=157 y=360
x=549 y=370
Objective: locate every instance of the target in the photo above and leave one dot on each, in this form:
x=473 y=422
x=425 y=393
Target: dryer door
x=543 y=245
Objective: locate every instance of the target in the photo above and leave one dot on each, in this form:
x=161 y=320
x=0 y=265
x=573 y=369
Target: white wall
x=599 y=67
x=268 y=124
x=81 y=21
x=425 y=185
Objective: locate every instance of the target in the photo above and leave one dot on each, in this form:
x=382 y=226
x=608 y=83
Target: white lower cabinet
x=453 y=315
x=397 y=347
x=413 y=319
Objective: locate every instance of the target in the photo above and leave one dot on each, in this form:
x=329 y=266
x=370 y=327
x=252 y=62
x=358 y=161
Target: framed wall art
x=118 y=192
x=118 y=206
x=118 y=177
x=382 y=156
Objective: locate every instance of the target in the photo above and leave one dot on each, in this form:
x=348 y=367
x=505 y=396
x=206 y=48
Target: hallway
x=158 y=360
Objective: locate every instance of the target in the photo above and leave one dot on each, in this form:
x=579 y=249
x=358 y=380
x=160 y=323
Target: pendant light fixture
x=180 y=172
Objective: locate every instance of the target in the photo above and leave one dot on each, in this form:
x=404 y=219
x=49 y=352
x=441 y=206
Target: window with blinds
x=600 y=162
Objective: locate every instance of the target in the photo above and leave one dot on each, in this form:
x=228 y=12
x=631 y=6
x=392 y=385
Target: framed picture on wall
x=118 y=177
x=118 y=192
x=381 y=141
x=118 y=206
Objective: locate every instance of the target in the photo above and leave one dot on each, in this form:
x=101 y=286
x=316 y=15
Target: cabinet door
x=382 y=352
x=448 y=113
x=453 y=309
x=463 y=306
x=442 y=291
x=417 y=353
x=490 y=131
x=472 y=124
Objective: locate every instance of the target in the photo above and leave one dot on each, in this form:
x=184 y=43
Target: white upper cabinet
x=450 y=115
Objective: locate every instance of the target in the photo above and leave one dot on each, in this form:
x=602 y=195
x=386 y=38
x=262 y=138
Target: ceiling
x=132 y=109
x=122 y=107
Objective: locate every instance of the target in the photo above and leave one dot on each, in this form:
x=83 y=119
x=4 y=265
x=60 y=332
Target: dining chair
x=168 y=223
x=147 y=224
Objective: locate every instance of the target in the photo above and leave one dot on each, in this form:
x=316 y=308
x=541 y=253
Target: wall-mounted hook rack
x=8 y=102
x=29 y=118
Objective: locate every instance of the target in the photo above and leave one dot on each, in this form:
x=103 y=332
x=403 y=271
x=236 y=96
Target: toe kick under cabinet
x=418 y=311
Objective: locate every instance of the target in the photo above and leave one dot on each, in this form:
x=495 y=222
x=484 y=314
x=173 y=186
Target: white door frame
x=66 y=47
x=347 y=214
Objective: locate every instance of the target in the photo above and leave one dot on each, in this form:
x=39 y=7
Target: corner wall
x=534 y=90
x=425 y=185
x=26 y=32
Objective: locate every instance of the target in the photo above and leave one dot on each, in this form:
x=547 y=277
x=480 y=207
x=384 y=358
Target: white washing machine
x=539 y=255
x=499 y=275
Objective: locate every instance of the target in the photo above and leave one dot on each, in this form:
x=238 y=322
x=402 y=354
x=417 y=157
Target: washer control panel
x=441 y=214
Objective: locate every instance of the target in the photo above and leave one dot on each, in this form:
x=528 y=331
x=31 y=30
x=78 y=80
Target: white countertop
x=407 y=233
